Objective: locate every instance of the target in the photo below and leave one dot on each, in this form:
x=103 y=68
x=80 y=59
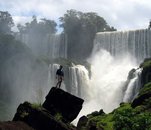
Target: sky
x=121 y=14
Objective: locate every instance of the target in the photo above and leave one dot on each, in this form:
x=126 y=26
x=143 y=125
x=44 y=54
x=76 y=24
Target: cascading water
x=57 y=46
x=107 y=83
x=136 y=43
x=113 y=56
x=133 y=86
x=76 y=76
x=52 y=46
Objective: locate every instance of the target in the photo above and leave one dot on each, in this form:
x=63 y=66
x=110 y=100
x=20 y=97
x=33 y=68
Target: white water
x=133 y=87
x=136 y=43
x=57 y=46
x=78 y=77
x=106 y=88
x=108 y=78
x=52 y=46
x=107 y=84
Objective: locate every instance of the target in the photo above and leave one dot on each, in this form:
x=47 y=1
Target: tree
x=42 y=27
x=81 y=29
x=47 y=26
x=6 y=22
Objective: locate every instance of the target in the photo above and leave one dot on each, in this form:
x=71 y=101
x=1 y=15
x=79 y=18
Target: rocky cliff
x=56 y=113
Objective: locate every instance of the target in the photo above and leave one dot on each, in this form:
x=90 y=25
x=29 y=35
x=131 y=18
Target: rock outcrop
x=146 y=73
x=14 y=125
x=145 y=92
x=39 y=118
x=59 y=101
x=56 y=113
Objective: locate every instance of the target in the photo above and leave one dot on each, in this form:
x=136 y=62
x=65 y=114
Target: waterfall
x=57 y=46
x=105 y=89
x=50 y=45
x=114 y=55
x=135 y=43
x=76 y=77
x=133 y=86
x=52 y=74
x=108 y=77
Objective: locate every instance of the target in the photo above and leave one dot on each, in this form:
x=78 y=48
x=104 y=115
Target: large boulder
x=59 y=101
x=39 y=118
x=14 y=125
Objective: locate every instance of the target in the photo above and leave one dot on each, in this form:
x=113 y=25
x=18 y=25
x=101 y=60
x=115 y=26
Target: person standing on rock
x=59 y=76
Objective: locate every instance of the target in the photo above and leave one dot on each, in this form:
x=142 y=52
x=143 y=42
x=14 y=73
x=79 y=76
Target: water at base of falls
x=106 y=87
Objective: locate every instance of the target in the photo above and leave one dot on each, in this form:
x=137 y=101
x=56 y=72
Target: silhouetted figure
x=59 y=76
x=149 y=27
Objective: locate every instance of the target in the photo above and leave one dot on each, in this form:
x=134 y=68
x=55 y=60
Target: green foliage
x=58 y=117
x=145 y=89
x=81 y=29
x=103 y=121
x=80 y=21
x=127 y=118
x=147 y=103
x=146 y=63
x=42 y=28
x=123 y=118
x=36 y=105
x=24 y=114
x=6 y=22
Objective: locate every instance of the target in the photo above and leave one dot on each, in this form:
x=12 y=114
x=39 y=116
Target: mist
x=23 y=76
x=106 y=87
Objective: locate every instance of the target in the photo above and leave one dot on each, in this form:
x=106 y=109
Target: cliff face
x=146 y=73
x=129 y=116
x=144 y=96
x=56 y=113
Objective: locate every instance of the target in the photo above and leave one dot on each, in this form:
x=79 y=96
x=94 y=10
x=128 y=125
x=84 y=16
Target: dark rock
x=59 y=101
x=131 y=74
x=96 y=113
x=39 y=118
x=139 y=100
x=14 y=125
x=93 y=128
x=82 y=123
x=146 y=73
x=143 y=95
x=145 y=92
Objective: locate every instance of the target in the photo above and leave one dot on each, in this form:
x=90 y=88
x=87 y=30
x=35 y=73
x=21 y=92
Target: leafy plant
x=131 y=119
